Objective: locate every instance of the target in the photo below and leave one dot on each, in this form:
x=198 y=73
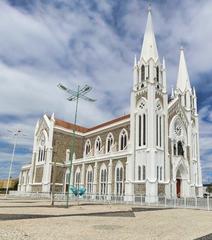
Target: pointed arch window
x=144 y=129
x=119 y=180
x=139 y=130
x=175 y=150
x=98 y=144
x=42 y=149
x=103 y=181
x=157 y=73
x=157 y=130
x=160 y=131
x=161 y=173
x=157 y=172
x=142 y=73
x=87 y=147
x=89 y=180
x=123 y=139
x=77 y=178
x=185 y=98
x=139 y=173
x=159 y=127
x=144 y=172
x=109 y=142
x=180 y=149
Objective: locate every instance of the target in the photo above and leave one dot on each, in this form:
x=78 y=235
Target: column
x=95 y=178
x=83 y=175
x=110 y=169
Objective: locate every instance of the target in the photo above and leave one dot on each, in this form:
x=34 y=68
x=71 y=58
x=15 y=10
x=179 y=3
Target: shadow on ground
x=129 y=213
x=206 y=237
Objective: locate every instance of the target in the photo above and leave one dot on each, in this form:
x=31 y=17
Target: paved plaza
x=36 y=219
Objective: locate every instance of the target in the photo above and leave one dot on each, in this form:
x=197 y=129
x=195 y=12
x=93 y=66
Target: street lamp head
x=70 y=99
x=61 y=86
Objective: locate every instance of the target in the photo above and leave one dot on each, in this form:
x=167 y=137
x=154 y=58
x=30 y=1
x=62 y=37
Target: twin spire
x=183 y=82
x=149 y=50
x=149 y=47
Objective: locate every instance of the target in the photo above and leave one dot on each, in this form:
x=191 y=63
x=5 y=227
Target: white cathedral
x=152 y=151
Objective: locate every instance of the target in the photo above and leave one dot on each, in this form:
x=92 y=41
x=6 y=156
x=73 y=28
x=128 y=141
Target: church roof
x=81 y=129
x=149 y=47
x=183 y=82
x=70 y=126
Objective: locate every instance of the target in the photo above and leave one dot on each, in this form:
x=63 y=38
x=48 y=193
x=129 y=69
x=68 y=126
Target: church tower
x=147 y=164
x=188 y=101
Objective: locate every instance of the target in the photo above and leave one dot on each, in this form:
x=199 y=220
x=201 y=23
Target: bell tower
x=147 y=163
x=188 y=101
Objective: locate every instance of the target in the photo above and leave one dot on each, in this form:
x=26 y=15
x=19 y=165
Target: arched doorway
x=178 y=183
x=181 y=179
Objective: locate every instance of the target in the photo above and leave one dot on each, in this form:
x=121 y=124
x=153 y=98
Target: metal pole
x=11 y=163
x=73 y=146
x=53 y=183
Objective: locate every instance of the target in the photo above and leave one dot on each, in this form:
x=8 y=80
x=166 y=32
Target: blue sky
x=75 y=42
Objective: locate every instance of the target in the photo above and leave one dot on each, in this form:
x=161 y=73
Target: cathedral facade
x=152 y=151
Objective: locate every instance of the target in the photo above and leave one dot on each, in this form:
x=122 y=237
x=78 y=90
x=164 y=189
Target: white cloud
x=73 y=45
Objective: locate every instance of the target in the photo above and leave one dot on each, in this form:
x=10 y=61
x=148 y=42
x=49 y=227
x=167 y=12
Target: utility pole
x=74 y=96
x=15 y=134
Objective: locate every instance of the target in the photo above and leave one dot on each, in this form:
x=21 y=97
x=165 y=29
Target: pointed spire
x=194 y=92
x=164 y=74
x=135 y=61
x=135 y=78
x=52 y=116
x=172 y=93
x=183 y=82
x=149 y=47
x=164 y=64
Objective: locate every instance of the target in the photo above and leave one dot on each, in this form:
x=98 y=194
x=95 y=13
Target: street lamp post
x=74 y=96
x=16 y=134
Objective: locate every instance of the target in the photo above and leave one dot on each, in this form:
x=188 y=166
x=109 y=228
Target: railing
x=35 y=195
x=143 y=200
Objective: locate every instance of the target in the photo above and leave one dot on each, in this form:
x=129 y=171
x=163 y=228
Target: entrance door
x=178 y=186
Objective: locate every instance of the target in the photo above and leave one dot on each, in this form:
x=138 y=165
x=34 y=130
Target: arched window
x=119 y=176
x=175 y=150
x=39 y=155
x=103 y=180
x=123 y=140
x=142 y=73
x=89 y=180
x=98 y=144
x=139 y=172
x=157 y=172
x=109 y=142
x=161 y=173
x=144 y=129
x=42 y=149
x=157 y=130
x=157 y=74
x=180 y=149
x=142 y=123
x=159 y=124
x=87 y=147
x=139 y=130
x=144 y=172
x=160 y=131
x=77 y=178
